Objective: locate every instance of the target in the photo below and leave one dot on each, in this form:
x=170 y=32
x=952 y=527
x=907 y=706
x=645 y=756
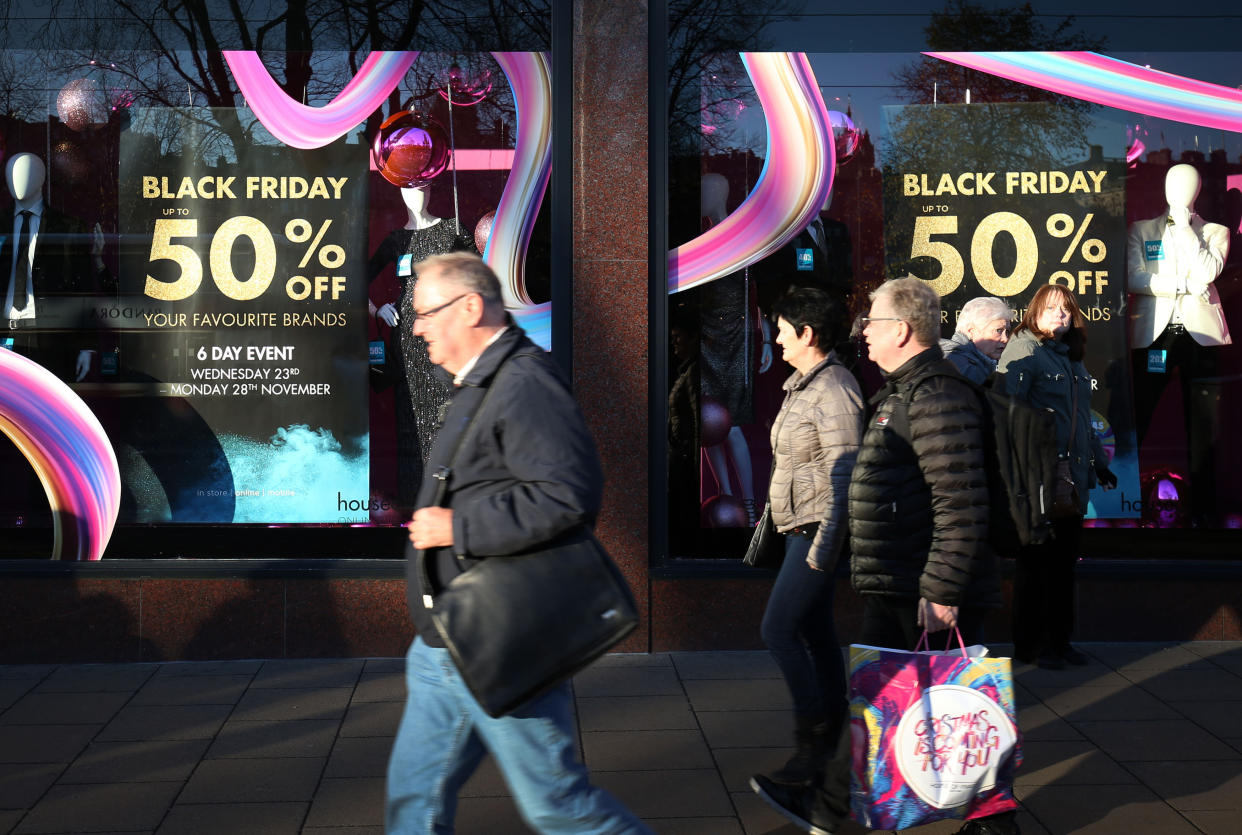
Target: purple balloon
x=410 y=149
x=845 y=135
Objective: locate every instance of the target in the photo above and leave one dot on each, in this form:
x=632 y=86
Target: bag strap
x=446 y=470
x=922 y=644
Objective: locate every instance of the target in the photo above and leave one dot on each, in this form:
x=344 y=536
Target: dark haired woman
x=1042 y=365
x=815 y=440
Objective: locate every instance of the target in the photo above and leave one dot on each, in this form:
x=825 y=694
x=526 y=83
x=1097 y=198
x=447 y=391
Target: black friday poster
x=242 y=389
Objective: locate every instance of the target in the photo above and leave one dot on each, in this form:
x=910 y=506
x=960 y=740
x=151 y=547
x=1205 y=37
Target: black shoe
x=1026 y=656
x=802 y=805
x=1002 y=824
x=1049 y=661
x=1073 y=656
x=806 y=767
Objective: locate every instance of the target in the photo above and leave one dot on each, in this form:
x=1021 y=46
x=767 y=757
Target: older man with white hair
x=982 y=333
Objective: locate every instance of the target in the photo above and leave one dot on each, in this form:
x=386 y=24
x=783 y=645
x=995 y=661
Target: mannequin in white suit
x=1176 y=320
x=1173 y=261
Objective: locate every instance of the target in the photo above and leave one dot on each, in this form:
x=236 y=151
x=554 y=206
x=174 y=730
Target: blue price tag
x=376 y=347
x=1156 y=361
x=405 y=265
x=1154 y=250
x=806 y=258
x=109 y=363
x=7 y=342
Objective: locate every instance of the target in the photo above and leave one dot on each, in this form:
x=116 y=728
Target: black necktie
x=21 y=275
x=817 y=234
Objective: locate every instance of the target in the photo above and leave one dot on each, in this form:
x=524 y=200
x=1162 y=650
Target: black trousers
x=1043 y=591
x=893 y=622
x=1193 y=362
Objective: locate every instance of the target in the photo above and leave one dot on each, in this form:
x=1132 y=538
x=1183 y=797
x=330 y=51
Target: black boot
x=806 y=807
x=812 y=737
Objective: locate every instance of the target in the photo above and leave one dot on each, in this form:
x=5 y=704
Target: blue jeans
x=444 y=735
x=799 y=631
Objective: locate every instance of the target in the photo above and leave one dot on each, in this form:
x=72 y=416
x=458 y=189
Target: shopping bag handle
x=948 y=645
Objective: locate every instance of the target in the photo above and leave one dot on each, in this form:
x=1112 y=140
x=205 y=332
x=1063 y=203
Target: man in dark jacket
x=918 y=511
x=526 y=473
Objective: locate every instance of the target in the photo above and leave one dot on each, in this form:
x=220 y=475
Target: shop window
x=218 y=331
x=983 y=174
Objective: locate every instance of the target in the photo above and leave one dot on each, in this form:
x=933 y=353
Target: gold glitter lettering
x=222 y=261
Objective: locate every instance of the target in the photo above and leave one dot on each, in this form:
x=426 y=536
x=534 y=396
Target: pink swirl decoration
x=1102 y=80
x=795 y=181
x=65 y=443
x=531 y=82
x=302 y=126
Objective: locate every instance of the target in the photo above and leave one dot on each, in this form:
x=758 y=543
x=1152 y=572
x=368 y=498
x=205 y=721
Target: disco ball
x=483 y=230
x=410 y=149
x=723 y=512
x=81 y=104
x=714 y=422
x=69 y=162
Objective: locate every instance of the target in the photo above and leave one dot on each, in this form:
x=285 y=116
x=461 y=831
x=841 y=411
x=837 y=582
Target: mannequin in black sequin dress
x=423 y=388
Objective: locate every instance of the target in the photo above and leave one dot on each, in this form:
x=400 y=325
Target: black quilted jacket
x=918 y=497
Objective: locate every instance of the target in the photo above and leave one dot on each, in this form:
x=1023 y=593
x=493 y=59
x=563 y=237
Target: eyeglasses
x=867 y=320
x=427 y=314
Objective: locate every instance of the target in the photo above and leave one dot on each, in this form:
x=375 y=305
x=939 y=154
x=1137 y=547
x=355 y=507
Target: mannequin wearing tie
x=45 y=273
x=821 y=255
x=1176 y=319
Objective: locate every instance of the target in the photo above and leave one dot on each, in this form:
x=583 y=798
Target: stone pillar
x=610 y=276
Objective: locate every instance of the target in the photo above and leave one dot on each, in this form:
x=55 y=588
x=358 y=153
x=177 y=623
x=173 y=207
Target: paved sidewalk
x=1146 y=740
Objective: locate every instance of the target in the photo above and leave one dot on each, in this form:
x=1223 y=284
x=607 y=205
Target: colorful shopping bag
x=934 y=735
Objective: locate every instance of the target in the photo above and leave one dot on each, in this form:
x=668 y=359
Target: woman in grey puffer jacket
x=815 y=440
x=1042 y=366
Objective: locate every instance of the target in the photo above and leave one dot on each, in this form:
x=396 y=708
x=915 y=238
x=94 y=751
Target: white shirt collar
x=469 y=366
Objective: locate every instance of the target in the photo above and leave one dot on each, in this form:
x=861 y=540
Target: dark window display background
x=101 y=120
x=721 y=404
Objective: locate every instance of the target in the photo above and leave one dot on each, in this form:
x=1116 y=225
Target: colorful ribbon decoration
x=795 y=181
x=531 y=81
x=72 y=456
x=1113 y=83
x=302 y=126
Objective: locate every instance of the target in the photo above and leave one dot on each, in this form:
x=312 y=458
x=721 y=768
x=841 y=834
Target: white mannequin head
x=415 y=198
x=25 y=174
x=715 y=194
x=1181 y=186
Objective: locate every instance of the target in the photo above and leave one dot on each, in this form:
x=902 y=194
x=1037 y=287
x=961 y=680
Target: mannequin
x=1176 y=320
x=37 y=295
x=45 y=275
x=422 y=389
x=725 y=358
x=819 y=256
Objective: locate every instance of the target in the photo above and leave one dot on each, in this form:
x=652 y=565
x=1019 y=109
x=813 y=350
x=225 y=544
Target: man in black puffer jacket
x=919 y=495
x=918 y=518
